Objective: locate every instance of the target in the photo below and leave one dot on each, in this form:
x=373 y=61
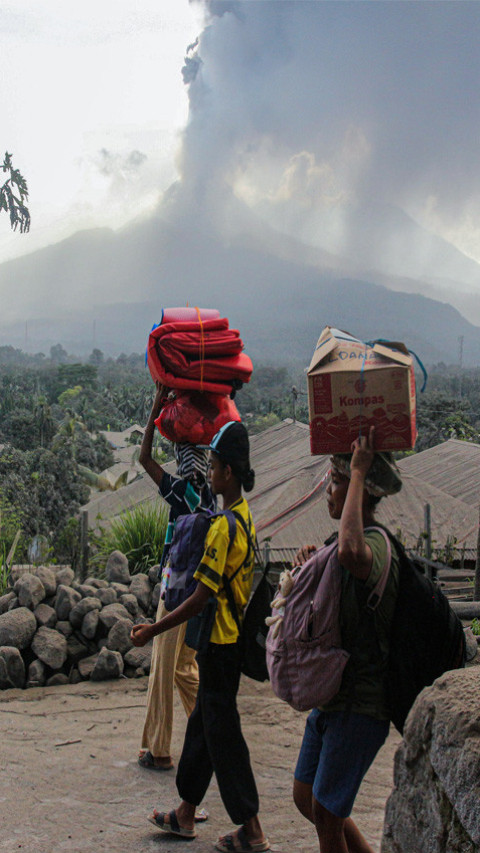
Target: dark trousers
x=214 y=742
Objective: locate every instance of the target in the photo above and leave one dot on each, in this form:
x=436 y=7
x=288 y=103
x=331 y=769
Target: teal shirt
x=363 y=688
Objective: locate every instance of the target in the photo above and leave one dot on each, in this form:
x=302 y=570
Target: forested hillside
x=52 y=409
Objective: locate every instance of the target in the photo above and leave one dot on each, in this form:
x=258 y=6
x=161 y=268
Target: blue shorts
x=336 y=752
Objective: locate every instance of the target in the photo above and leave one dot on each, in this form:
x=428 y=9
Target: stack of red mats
x=194 y=352
x=201 y=355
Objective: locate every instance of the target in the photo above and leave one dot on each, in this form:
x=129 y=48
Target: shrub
x=138 y=533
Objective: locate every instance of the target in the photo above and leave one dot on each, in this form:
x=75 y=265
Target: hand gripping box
x=352 y=386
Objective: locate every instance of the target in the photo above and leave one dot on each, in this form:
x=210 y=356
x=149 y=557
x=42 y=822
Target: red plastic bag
x=195 y=416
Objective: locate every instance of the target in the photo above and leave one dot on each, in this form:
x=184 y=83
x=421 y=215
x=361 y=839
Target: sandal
x=147 y=760
x=239 y=843
x=201 y=815
x=171 y=826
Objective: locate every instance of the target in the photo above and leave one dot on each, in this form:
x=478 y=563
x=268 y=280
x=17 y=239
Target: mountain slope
x=121 y=280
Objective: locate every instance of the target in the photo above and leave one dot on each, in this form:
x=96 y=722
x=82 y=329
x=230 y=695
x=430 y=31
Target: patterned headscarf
x=383 y=477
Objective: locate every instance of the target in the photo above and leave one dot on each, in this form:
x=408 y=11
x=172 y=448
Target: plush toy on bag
x=285 y=587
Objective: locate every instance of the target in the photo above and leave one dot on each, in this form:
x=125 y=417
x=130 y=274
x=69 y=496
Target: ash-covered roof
x=288 y=502
x=453 y=467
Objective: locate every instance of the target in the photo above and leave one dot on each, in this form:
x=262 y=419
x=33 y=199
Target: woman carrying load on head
x=173 y=662
x=214 y=742
x=342 y=738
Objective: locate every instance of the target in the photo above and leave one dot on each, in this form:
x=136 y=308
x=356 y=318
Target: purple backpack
x=306 y=660
x=186 y=552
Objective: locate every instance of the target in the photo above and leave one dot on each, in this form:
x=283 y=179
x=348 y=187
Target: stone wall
x=435 y=804
x=56 y=630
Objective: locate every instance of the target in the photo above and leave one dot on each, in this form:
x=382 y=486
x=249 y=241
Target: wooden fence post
x=428 y=538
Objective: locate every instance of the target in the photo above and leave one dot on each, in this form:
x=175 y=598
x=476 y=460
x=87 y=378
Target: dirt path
x=70 y=781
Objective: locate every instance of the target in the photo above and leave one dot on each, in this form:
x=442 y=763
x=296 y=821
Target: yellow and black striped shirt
x=217 y=560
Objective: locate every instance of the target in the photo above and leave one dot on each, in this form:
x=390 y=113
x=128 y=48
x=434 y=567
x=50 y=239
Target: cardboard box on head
x=353 y=386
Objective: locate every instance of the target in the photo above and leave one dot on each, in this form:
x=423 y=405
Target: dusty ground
x=70 y=781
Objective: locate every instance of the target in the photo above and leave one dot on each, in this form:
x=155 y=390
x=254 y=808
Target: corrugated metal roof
x=288 y=502
x=453 y=467
x=121 y=439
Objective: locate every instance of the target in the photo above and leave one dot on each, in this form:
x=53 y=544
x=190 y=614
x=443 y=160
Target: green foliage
x=13 y=195
x=476 y=627
x=138 y=533
x=11 y=542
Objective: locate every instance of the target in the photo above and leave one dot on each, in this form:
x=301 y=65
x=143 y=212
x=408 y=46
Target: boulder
x=76 y=649
x=111 y=614
x=36 y=676
x=15 y=573
x=75 y=677
x=153 y=575
x=471 y=644
x=65 y=576
x=82 y=607
x=86 y=590
x=435 y=803
x=57 y=678
x=50 y=647
x=30 y=591
x=45 y=615
x=12 y=668
x=156 y=596
x=13 y=603
x=90 y=624
x=48 y=578
x=140 y=658
x=5 y=601
x=17 y=628
x=64 y=627
x=141 y=589
x=86 y=665
x=130 y=603
x=65 y=600
x=117 y=570
x=106 y=596
x=109 y=665
x=119 y=636
x=98 y=583
x=120 y=588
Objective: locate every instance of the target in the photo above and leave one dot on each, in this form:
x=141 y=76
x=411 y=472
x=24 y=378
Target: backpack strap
x=227 y=582
x=376 y=594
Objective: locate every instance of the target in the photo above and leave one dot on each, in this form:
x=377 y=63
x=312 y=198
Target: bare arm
x=353 y=552
x=153 y=469
x=141 y=634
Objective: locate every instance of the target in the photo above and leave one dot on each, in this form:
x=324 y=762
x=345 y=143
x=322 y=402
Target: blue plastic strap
x=155 y=326
x=419 y=361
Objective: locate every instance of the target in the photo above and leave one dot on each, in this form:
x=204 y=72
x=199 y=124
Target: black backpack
x=253 y=630
x=427 y=637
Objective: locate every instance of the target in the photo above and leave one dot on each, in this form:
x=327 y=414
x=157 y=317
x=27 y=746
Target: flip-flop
x=172 y=827
x=201 y=815
x=148 y=761
x=238 y=842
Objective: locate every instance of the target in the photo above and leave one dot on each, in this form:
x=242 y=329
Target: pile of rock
x=56 y=630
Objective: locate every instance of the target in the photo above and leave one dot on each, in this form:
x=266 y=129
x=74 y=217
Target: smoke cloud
x=317 y=113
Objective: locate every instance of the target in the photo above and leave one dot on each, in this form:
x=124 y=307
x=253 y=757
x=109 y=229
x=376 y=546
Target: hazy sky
x=92 y=102
x=306 y=109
